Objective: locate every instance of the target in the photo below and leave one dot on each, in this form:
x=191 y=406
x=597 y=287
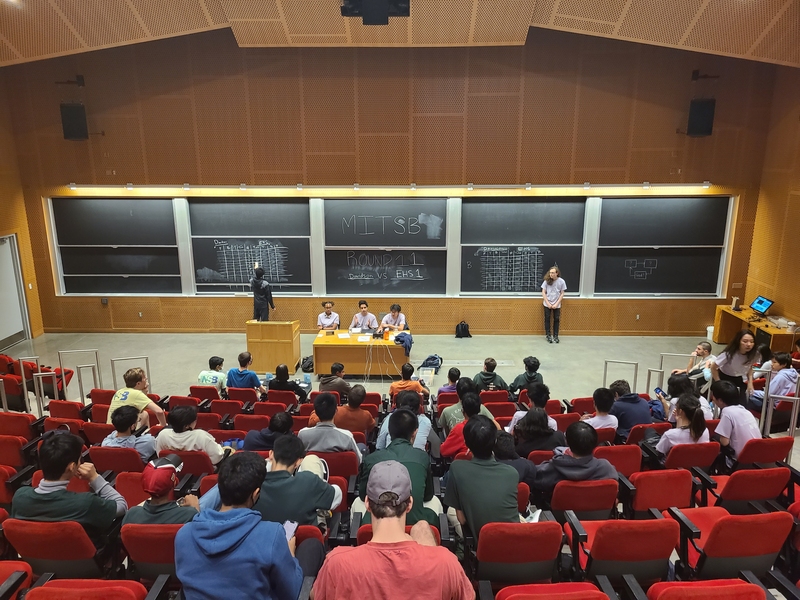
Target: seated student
x=677 y=385
x=159 y=478
x=406 y=383
x=411 y=401
x=233 y=553
x=481 y=490
x=538 y=394
x=699 y=366
x=690 y=425
x=214 y=376
x=505 y=453
x=335 y=382
x=125 y=420
x=325 y=436
x=737 y=425
x=393 y=565
x=134 y=394
x=455 y=444
x=403 y=429
x=532 y=432
x=629 y=408
x=351 y=416
x=279 y=425
x=282 y=382
x=394 y=321
x=364 y=319
x=453 y=376
x=452 y=415
x=184 y=437
x=60 y=460
x=488 y=379
x=603 y=401
x=579 y=465
x=765 y=352
x=782 y=382
x=242 y=377
x=530 y=376
x=328 y=319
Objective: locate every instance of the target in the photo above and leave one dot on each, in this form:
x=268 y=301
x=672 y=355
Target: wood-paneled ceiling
x=762 y=30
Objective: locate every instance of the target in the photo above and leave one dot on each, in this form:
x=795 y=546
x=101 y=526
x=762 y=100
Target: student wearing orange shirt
x=407 y=383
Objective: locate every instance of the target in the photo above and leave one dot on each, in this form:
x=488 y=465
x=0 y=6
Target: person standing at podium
x=262 y=296
x=364 y=319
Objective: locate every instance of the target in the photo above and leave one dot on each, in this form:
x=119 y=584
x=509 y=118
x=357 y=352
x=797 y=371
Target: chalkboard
x=657 y=270
x=120 y=261
x=82 y=284
x=499 y=269
x=392 y=223
x=227 y=263
x=396 y=272
x=267 y=217
x=664 y=221
x=522 y=220
x=114 y=222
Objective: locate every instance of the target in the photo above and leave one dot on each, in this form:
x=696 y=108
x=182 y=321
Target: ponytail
x=690 y=406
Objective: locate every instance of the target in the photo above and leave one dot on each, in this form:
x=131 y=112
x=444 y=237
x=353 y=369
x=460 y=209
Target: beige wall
x=563 y=109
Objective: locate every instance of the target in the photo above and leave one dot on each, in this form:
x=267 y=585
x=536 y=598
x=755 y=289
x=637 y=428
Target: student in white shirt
x=395 y=320
x=214 y=376
x=184 y=437
x=538 y=394
x=603 y=401
x=328 y=319
x=737 y=425
x=677 y=385
x=553 y=288
x=700 y=360
x=735 y=363
x=690 y=425
x=364 y=319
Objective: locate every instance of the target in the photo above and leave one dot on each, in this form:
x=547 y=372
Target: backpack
x=462 y=330
x=307 y=364
x=433 y=360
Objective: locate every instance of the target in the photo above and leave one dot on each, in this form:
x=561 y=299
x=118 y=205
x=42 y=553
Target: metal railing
x=34 y=359
x=621 y=362
x=663 y=354
x=649 y=376
x=79 y=372
x=98 y=374
x=146 y=360
x=39 y=391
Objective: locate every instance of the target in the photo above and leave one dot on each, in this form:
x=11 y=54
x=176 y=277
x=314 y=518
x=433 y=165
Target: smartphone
x=660 y=392
x=290 y=527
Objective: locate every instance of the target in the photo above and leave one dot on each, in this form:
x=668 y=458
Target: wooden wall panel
x=563 y=110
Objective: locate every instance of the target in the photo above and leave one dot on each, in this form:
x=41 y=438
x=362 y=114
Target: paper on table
x=344 y=336
x=364 y=338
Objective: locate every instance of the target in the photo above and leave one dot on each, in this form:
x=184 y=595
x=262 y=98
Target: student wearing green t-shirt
x=50 y=501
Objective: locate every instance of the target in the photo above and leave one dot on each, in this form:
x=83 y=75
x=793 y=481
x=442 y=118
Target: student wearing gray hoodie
x=579 y=464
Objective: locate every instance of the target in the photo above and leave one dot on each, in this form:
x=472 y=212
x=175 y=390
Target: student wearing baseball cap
x=394 y=564
x=159 y=478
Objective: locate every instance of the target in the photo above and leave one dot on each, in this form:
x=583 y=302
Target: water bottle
x=269 y=377
x=307 y=378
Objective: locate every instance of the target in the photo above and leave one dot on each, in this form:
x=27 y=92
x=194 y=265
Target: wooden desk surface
x=324 y=339
x=746 y=314
x=371 y=356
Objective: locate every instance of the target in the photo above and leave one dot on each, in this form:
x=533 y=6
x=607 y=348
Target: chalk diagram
x=640 y=269
x=510 y=269
x=236 y=257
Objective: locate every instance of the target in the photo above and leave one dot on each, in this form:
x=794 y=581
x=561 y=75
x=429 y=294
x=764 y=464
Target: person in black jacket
x=279 y=425
x=533 y=433
x=282 y=382
x=262 y=296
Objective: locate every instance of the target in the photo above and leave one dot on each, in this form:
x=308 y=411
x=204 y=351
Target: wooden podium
x=273 y=343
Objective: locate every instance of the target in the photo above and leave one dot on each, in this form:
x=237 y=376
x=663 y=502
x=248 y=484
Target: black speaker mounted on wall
x=73 y=121
x=701 y=117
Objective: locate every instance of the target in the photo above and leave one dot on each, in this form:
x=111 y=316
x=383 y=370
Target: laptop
x=761 y=305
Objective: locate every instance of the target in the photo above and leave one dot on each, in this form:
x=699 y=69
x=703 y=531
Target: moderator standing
x=262 y=296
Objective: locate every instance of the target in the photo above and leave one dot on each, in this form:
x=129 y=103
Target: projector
x=376 y=12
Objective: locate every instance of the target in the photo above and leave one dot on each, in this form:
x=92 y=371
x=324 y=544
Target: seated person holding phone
x=233 y=553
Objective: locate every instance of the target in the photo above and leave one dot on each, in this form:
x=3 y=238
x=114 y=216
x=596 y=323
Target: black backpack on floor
x=462 y=330
x=307 y=364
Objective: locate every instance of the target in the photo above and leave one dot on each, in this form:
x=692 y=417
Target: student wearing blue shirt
x=243 y=377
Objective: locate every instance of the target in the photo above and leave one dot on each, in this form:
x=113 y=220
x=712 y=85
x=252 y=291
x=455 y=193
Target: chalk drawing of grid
x=236 y=261
x=640 y=269
x=510 y=269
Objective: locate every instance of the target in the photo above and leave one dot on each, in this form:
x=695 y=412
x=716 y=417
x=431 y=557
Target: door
x=13 y=309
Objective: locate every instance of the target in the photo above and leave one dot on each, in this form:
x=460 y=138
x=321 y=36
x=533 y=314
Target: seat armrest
x=485 y=590
x=194 y=486
x=37 y=427
x=655 y=513
x=651 y=452
x=204 y=405
x=794 y=479
x=163 y=402
x=437 y=487
x=248 y=408
x=773 y=506
x=352 y=489
x=632 y=589
x=626 y=491
x=470 y=546
x=225 y=421
x=704 y=478
x=687 y=527
x=305 y=590
x=29 y=450
x=22 y=477
x=86 y=412
x=44 y=578
x=160 y=589
x=547 y=515
x=141 y=431
x=776 y=579
x=444 y=532
x=12 y=583
x=355 y=523
x=109 y=476
x=578 y=532
x=757 y=508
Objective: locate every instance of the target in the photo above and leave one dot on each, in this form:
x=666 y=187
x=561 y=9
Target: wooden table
x=368 y=357
x=727 y=322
